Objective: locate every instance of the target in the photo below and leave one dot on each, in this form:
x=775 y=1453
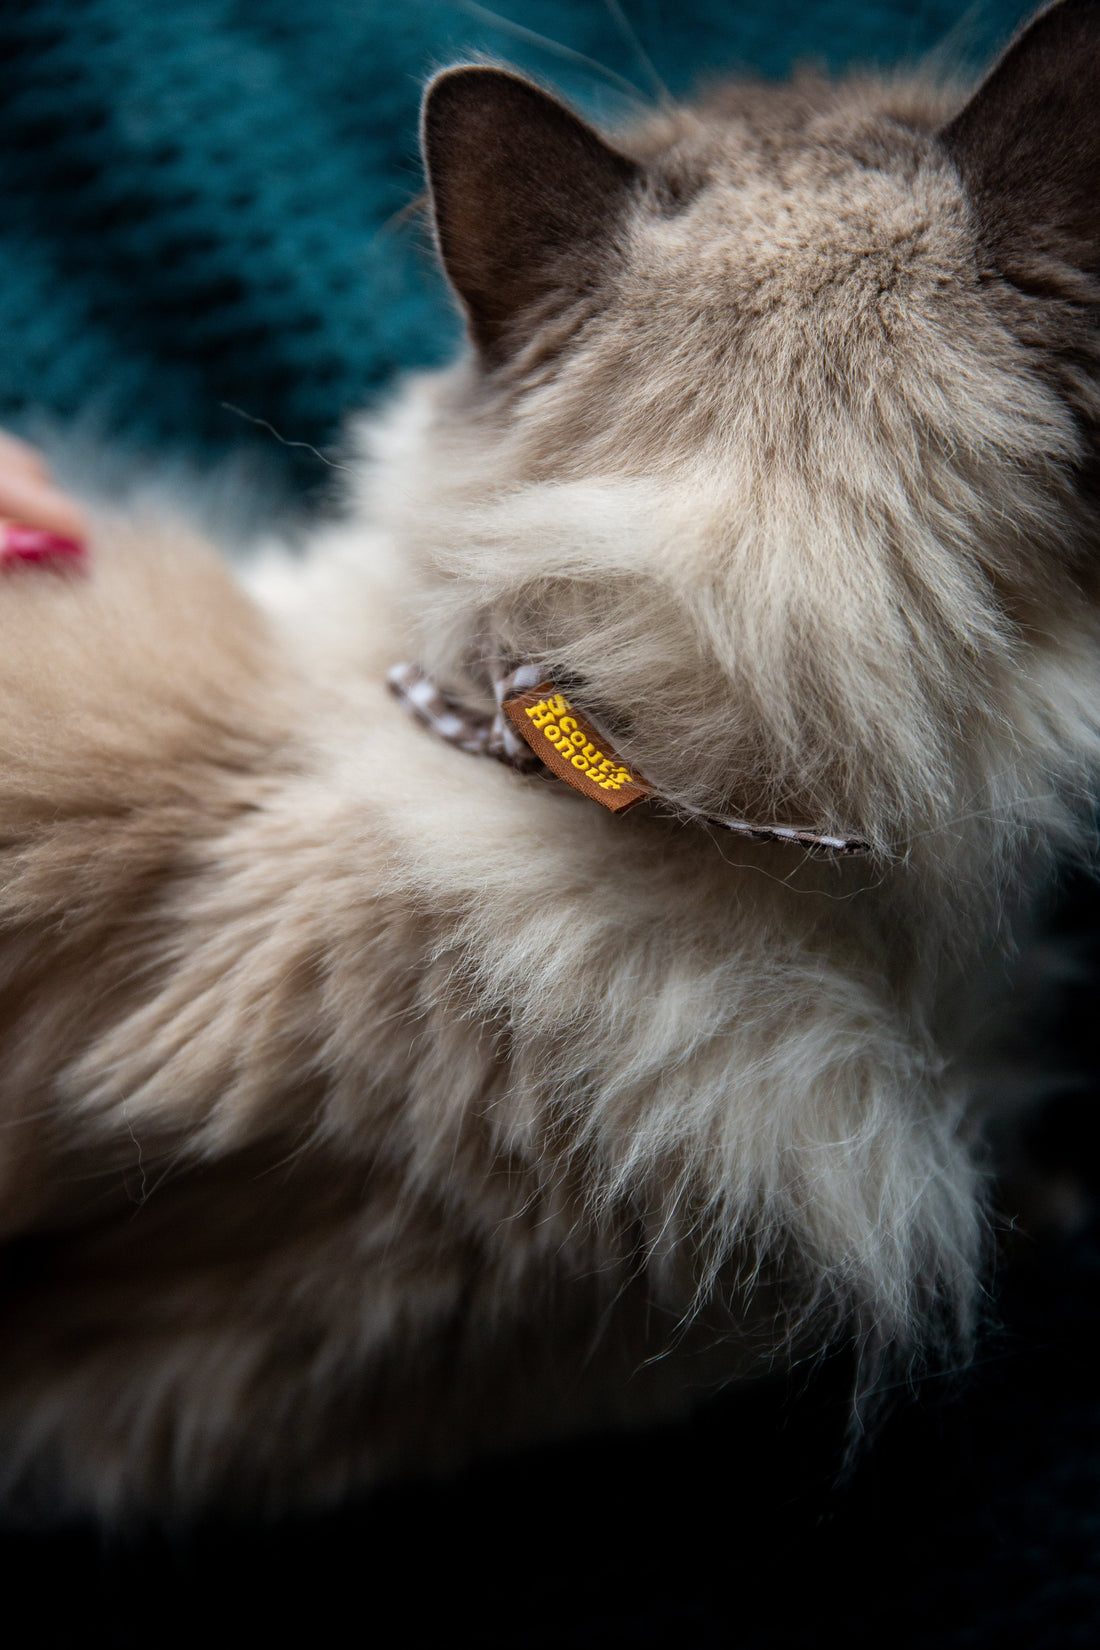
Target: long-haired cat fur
x=367 y=1103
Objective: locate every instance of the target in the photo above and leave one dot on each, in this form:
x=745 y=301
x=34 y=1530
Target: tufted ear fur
x=526 y=200
x=1028 y=143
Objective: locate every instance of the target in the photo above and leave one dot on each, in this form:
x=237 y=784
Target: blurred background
x=209 y=202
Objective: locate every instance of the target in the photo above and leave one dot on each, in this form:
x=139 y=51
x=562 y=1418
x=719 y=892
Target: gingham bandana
x=494 y=736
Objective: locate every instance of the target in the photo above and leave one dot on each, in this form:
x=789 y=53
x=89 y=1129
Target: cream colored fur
x=366 y=1103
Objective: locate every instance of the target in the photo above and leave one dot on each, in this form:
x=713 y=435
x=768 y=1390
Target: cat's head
x=775 y=439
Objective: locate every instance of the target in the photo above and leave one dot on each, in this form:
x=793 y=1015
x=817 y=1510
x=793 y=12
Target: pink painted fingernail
x=35 y=544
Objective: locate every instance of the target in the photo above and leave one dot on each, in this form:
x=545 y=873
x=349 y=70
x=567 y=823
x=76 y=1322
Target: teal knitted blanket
x=205 y=202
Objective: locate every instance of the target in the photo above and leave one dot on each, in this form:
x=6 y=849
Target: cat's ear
x=1028 y=143
x=526 y=199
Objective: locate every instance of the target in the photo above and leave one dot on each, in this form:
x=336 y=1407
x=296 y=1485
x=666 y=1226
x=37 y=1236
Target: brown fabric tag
x=570 y=747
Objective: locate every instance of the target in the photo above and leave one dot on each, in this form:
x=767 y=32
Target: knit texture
x=206 y=201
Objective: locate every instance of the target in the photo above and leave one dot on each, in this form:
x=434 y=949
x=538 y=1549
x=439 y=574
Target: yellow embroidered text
x=552 y=717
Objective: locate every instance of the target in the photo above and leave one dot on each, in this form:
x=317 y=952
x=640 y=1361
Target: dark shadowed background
x=206 y=202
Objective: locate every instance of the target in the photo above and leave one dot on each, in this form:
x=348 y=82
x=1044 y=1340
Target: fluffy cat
x=366 y=1103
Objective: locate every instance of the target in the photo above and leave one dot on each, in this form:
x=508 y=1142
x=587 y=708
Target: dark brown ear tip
x=455 y=97
x=444 y=88
x=467 y=83
x=460 y=76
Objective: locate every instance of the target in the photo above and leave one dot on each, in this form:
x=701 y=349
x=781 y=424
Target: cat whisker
x=997 y=816
x=250 y=418
x=634 y=44
x=147 y=1193
x=140 y=1162
x=545 y=43
x=787 y=881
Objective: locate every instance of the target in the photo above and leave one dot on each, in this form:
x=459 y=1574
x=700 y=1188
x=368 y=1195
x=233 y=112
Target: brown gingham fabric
x=484 y=735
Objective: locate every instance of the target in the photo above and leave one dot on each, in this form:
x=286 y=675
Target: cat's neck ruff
x=536 y=726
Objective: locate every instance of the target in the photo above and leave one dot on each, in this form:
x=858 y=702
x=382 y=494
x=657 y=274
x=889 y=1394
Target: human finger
x=34 y=502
